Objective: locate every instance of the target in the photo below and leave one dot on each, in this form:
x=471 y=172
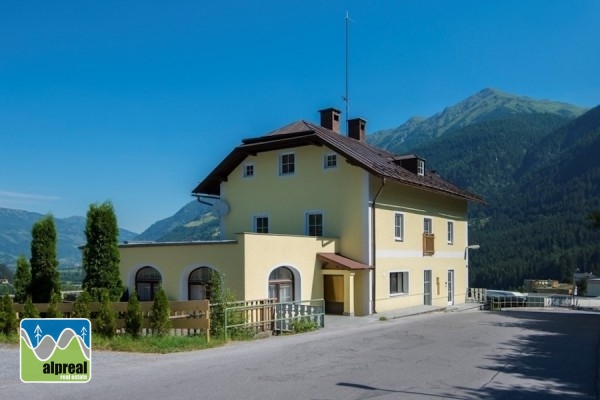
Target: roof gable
x=376 y=161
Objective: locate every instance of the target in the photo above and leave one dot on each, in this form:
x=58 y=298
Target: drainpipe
x=373 y=245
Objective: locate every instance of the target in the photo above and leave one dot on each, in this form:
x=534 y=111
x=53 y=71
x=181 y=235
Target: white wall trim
x=185 y=274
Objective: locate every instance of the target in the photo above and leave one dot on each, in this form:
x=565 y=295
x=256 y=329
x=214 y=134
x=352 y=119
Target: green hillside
x=540 y=174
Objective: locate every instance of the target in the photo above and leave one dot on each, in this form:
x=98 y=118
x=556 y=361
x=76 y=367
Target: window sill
x=398 y=294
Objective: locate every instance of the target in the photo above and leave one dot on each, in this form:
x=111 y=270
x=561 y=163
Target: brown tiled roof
x=378 y=162
x=337 y=261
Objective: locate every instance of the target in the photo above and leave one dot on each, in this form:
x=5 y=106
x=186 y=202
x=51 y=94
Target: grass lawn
x=143 y=344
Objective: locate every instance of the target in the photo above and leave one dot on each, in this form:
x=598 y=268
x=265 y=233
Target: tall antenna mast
x=347 y=96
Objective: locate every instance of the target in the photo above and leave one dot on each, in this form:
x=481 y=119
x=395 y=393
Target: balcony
x=428 y=244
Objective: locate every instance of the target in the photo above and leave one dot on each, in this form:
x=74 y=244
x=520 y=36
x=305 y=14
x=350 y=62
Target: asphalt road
x=467 y=355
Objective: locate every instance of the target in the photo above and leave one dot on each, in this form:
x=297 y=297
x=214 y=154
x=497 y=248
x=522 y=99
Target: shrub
x=220 y=299
x=106 y=322
x=159 y=319
x=133 y=319
x=29 y=309
x=53 y=306
x=304 y=325
x=81 y=308
x=8 y=319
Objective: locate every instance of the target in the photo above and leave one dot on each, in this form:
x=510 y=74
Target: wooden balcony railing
x=428 y=244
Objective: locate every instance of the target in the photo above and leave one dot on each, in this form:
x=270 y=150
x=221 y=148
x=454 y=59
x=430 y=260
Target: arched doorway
x=199 y=284
x=147 y=283
x=281 y=285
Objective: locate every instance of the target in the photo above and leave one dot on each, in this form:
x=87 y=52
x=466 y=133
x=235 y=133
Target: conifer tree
x=81 y=307
x=133 y=320
x=8 y=319
x=29 y=309
x=159 y=319
x=106 y=322
x=44 y=275
x=53 y=307
x=101 y=252
x=22 y=280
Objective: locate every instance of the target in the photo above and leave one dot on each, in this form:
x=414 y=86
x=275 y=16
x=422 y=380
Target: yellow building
x=307 y=213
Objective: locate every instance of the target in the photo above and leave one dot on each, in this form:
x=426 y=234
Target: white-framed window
x=314 y=224
x=287 y=164
x=450 y=232
x=398 y=282
x=261 y=224
x=398 y=226
x=427 y=225
x=420 y=167
x=248 y=170
x=330 y=161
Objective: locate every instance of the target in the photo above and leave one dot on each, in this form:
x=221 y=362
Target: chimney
x=356 y=129
x=330 y=119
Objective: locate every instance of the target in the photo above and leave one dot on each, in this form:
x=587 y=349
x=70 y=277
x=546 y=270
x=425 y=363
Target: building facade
x=307 y=212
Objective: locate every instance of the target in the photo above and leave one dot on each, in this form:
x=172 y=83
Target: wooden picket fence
x=187 y=317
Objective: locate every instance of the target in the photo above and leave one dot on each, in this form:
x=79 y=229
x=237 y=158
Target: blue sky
x=136 y=101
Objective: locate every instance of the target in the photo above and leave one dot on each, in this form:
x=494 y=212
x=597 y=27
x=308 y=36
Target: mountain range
x=534 y=161
x=486 y=105
x=15 y=236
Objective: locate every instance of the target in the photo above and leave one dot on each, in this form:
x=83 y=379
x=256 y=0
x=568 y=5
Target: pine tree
x=106 y=322
x=101 y=252
x=44 y=275
x=8 y=319
x=133 y=320
x=29 y=309
x=22 y=280
x=81 y=308
x=159 y=319
x=53 y=307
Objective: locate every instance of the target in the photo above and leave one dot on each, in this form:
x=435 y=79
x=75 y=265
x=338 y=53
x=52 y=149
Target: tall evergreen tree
x=29 y=309
x=134 y=318
x=101 y=252
x=106 y=322
x=159 y=317
x=53 y=311
x=81 y=308
x=8 y=318
x=44 y=275
x=22 y=280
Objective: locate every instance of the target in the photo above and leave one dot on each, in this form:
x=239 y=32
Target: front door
x=427 y=287
x=450 y=287
x=333 y=292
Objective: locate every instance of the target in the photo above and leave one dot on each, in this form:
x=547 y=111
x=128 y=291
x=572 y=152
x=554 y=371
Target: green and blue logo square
x=56 y=350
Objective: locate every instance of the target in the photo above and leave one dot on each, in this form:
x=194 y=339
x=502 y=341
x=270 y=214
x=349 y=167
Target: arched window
x=198 y=284
x=281 y=285
x=147 y=282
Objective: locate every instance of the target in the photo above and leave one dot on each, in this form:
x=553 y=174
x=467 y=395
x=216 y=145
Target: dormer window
x=411 y=162
x=420 y=167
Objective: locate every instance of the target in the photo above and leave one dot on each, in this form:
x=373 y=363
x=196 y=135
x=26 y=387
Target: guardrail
x=478 y=295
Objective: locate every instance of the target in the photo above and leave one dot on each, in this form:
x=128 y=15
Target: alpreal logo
x=56 y=350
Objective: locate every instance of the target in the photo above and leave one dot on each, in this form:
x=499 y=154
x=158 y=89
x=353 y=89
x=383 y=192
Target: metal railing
x=279 y=317
x=534 y=300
